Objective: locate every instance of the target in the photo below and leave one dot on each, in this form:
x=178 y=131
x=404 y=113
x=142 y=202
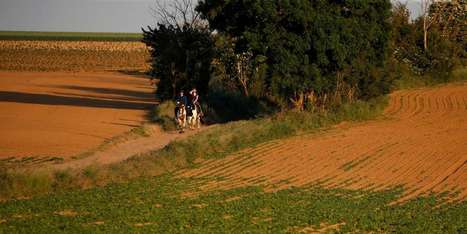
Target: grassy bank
x=409 y=81
x=69 y=36
x=215 y=142
x=160 y=205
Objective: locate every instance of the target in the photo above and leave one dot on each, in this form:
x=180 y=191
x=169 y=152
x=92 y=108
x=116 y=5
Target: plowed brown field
x=421 y=143
x=64 y=114
x=73 y=56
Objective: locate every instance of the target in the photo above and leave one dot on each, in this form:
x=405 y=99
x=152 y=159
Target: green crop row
x=164 y=205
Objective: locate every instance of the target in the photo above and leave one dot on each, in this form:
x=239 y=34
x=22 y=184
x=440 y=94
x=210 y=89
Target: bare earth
x=65 y=114
x=420 y=144
x=121 y=151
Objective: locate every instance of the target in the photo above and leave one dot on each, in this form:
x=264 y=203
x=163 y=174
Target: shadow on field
x=135 y=73
x=130 y=94
x=47 y=99
x=122 y=124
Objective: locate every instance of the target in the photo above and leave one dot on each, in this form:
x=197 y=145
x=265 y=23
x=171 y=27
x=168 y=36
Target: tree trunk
x=242 y=79
x=174 y=90
x=425 y=33
x=174 y=80
x=245 y=90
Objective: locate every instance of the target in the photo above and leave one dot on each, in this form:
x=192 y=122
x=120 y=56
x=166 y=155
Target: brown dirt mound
x=421 y=144
x=64 y=114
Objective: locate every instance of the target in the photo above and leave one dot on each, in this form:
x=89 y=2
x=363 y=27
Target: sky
x=85 y=15
x=76 y=15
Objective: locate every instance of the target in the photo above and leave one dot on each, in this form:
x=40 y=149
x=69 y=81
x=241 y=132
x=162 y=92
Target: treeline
x=434 y=44
x=301 y=54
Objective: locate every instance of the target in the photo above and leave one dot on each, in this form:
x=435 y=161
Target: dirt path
x=420 y=144
x=126 y=149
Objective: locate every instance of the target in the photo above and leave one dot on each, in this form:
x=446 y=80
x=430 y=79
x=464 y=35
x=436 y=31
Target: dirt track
x=64 y=114
x=121 y=151
x=421 y=144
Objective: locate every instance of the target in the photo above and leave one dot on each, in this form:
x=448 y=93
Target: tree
x=451 y=18
x=405 y=40
x=309 y=46
x=449 y=14
x=239 y=68
x=401 y=24
x=178 y=13
x=433 y=43
x=427 y=20
x=181 y=48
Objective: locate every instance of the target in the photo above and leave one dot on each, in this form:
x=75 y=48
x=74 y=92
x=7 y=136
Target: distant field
x=20 y=55
x=69 y=36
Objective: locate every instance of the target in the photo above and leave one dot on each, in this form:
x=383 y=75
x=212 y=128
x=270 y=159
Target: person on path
x=180 y=99
x=194 y=98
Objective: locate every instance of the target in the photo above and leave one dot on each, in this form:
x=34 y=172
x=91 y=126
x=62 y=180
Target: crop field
x=69 y=36
x=403 y=172
x=56 y=55
x=63 y=114
x=408 y=177
x=167 y=205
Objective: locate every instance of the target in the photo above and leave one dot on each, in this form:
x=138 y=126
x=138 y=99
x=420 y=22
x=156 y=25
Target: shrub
x=181 y=58
x=164 y=114
x=221 y=106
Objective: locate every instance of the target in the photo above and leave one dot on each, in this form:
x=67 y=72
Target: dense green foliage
x=318 y=47
x=446 y=45
x=161 y=205
x=309 y=54
x=181 y=58
x=69 y=36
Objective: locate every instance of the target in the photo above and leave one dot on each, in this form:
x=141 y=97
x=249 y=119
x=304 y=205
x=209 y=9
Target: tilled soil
x=64 y=114
x=420 y=143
